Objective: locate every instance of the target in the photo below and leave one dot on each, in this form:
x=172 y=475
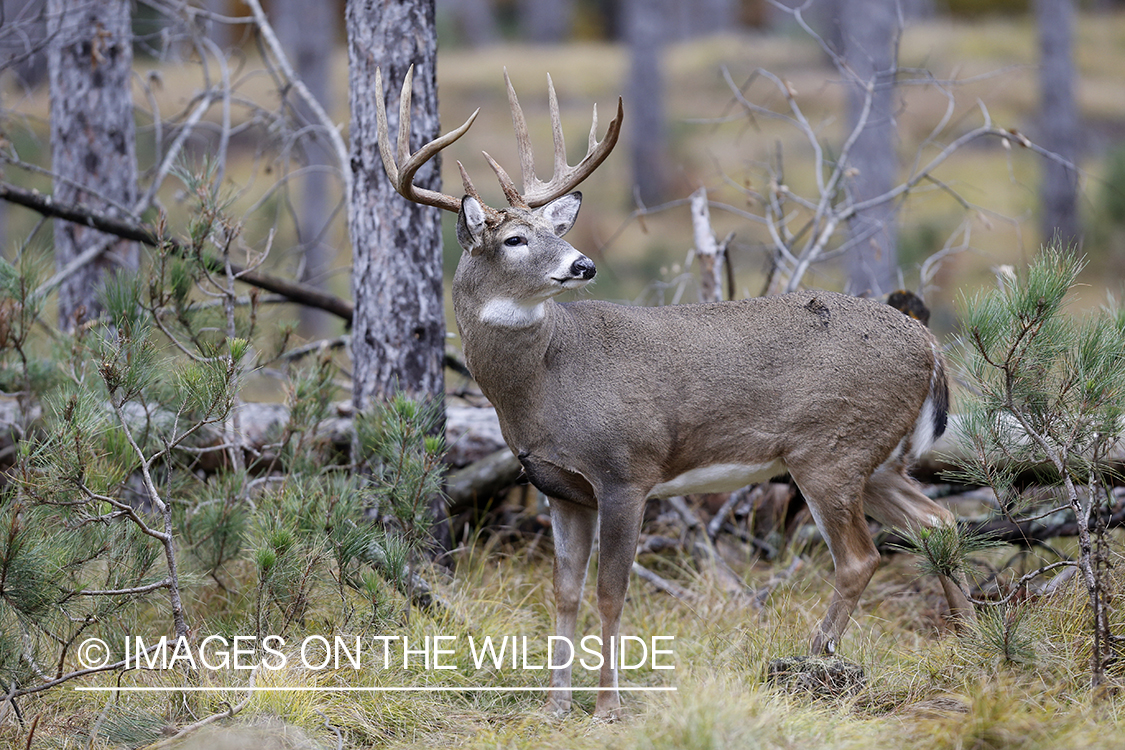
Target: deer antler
x=536 y=192
x=402 y=171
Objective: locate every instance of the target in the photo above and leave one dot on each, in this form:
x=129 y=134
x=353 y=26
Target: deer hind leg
x=619 y=514
x=838 y=511
x=893 y=499
x=573 y=528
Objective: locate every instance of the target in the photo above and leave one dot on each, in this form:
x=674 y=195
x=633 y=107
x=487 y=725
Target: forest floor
x=926 y=687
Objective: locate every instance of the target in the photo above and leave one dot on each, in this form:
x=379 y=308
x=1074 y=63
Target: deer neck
x=505 y=343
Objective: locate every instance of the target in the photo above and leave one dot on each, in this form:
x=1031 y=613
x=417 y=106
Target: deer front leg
x=573 y=527
x=620 y=515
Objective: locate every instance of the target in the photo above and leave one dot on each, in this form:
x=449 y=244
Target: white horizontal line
x=329 y=689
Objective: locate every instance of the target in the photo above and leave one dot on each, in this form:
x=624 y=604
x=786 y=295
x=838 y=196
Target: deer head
x=514 y=257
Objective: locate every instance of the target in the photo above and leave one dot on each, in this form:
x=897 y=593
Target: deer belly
x=718 y=478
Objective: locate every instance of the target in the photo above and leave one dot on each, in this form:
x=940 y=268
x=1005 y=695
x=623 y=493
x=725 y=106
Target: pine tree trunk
x=398 y=330
x=1058 y=121
x=90 y=60
x=399 y=326
x=307 y=30
x=869 y=30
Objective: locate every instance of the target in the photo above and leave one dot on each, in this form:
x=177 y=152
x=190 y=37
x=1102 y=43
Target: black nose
x=583 y=267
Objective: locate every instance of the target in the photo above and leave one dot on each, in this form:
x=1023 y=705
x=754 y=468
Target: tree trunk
x=307 y=30
x=399 y=324
x=475 y=20
x=22 y=40
x=90 y=60
x=869 y=30
x=546 y=21
x=1058 y=121
x=645 y=27
x=398 y=328
x=222 y=34
x=703 y=17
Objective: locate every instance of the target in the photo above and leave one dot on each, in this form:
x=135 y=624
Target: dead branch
x=707 y=250
x=294 y=291
x=668 y=587
x=704 y=553
x=482 y=480
x=231 y=712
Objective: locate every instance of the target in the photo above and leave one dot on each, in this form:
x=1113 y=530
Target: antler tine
x=556 y=130
x=523 y=146
x=471 y=190
x=514 y=198
x=402 y=171
x=404 y=99
x=536 y=192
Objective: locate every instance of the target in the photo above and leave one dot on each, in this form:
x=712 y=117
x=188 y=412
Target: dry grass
x=926 y=688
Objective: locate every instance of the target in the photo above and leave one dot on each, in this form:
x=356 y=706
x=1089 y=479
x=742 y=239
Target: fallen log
x=482 y=480
x=483 y=466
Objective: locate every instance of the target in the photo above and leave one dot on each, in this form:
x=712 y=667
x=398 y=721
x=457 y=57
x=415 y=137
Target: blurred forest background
x=686 y=70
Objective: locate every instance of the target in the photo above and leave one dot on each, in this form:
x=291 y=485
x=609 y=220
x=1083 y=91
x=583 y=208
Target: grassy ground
x=927 y=688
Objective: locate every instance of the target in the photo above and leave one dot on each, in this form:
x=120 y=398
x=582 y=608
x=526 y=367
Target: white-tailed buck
x=608 y=405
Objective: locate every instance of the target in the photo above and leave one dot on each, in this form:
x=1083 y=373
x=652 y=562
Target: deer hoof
x=556 y=707
x=610 y=713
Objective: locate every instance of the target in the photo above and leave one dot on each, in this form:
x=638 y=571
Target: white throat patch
x=511 y=314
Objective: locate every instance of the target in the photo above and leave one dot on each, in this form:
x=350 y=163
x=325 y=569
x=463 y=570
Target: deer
x=609 y=405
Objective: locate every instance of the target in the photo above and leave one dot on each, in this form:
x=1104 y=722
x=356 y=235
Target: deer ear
x=470 y=225
x=562 y=212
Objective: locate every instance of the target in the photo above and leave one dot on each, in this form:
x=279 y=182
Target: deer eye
x=515 y=241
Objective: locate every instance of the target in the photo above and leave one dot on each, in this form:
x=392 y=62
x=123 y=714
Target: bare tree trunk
x=1058 y=121
x=222 y=34
x=546 y=21
x=308 y=30
x=646 y=29
x=399 y=324
x=717 y=16
x=695 y=18
x=475 y=18
x=90 y=60
x=870 y=31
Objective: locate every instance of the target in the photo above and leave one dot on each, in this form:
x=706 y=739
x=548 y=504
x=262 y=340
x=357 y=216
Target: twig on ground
x=668 y=587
